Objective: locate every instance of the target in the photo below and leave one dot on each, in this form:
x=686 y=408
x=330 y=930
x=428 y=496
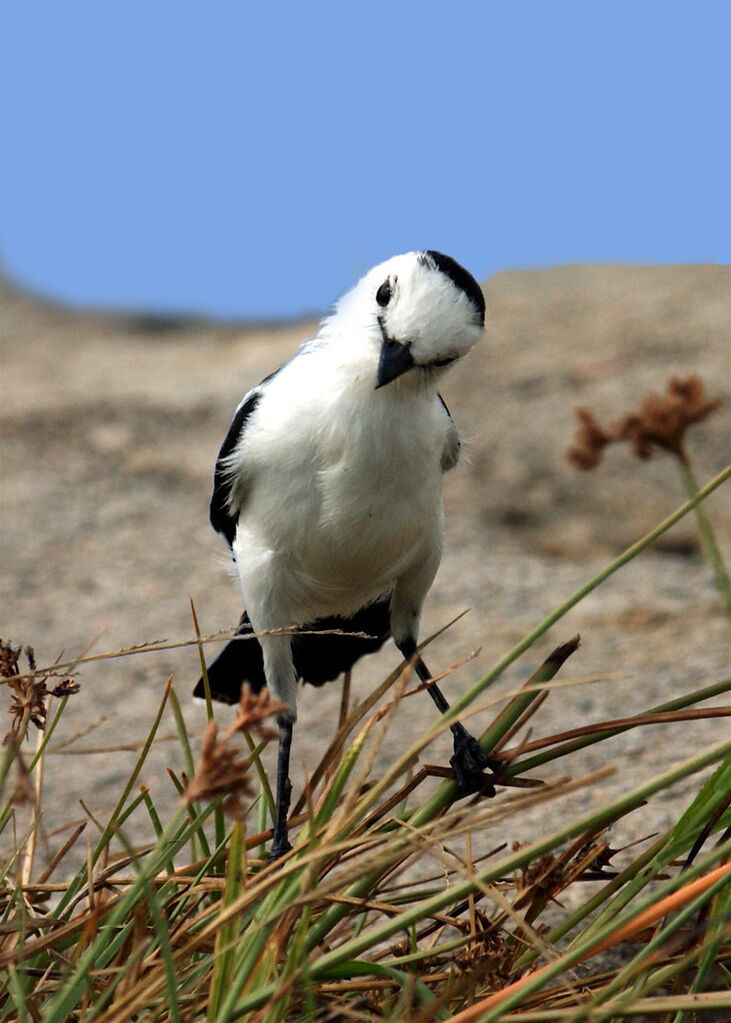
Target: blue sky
x=252 y=159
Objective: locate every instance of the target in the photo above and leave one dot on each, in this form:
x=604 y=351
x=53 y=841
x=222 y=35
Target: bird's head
x=423 y=312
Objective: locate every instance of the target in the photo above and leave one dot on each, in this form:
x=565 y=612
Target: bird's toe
x=469 y=763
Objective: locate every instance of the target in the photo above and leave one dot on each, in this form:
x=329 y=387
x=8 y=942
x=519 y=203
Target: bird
x=328 y=491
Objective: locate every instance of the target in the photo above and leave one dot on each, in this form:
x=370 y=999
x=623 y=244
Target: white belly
x=333 y=519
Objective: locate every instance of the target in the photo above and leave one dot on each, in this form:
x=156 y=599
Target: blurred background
x=185 y=188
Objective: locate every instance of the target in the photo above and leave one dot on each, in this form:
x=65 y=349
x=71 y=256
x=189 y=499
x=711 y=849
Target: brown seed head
x=9 y=658
x=662 y=419
x=589 y=441
x=28 y=701
x=252 y=709
x=223 y=769
x=660 y=422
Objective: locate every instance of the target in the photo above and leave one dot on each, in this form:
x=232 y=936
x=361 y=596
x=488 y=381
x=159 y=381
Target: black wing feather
x=240 y=661
x=222 y=518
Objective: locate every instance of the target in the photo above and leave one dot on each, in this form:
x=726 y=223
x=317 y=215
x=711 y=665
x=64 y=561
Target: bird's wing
x=223 y=517
x=450 y=451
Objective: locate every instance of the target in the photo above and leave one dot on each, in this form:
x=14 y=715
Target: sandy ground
x=110 y=427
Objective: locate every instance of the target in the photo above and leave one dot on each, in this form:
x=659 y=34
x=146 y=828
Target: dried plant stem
x=521 y=765
x=706 y=534
x=30 y=848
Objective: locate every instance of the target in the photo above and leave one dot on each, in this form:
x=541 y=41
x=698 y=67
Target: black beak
x=395 y=359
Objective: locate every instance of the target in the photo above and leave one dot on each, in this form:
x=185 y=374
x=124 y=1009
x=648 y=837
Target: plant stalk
x=706 y=534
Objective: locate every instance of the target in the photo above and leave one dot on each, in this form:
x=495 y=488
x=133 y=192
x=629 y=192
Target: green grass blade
x=226 y=937
x=182 y=733
x=706 y=534
x=113 y=822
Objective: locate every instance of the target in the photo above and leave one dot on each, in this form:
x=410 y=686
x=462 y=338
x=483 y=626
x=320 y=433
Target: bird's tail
x=334 y=646
x=241 y=660
x=318 y=655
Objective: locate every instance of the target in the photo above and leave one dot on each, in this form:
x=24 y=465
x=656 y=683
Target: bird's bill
x=395 y=360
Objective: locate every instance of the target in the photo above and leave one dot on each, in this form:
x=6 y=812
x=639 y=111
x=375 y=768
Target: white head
x=421 y=312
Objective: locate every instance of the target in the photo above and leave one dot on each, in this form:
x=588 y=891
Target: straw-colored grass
x=380 y=912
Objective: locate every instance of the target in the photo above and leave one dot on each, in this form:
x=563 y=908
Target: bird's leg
x=280 y=843
x=469 y=759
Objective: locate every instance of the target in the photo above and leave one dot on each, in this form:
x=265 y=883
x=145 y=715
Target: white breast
x=343 y=493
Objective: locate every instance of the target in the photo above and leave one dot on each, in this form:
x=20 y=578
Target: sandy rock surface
x=110 y=428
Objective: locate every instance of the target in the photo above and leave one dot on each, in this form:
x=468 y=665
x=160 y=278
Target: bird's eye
x=383 y=295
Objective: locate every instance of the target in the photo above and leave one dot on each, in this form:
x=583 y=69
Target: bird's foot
x=280 y=847
x=468 y=763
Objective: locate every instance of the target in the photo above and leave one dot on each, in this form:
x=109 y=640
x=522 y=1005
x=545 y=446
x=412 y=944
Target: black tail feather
x=241 y=660
x=320 y=659
x=317 y=658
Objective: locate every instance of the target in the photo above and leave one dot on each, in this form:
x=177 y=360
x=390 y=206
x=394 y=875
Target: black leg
x=280 y=843
x=469 y=759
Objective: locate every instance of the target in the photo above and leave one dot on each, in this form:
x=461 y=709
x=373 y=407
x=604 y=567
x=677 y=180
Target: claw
x=468 y=763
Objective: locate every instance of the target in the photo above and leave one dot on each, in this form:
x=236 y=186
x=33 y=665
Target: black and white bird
x=328 y=490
